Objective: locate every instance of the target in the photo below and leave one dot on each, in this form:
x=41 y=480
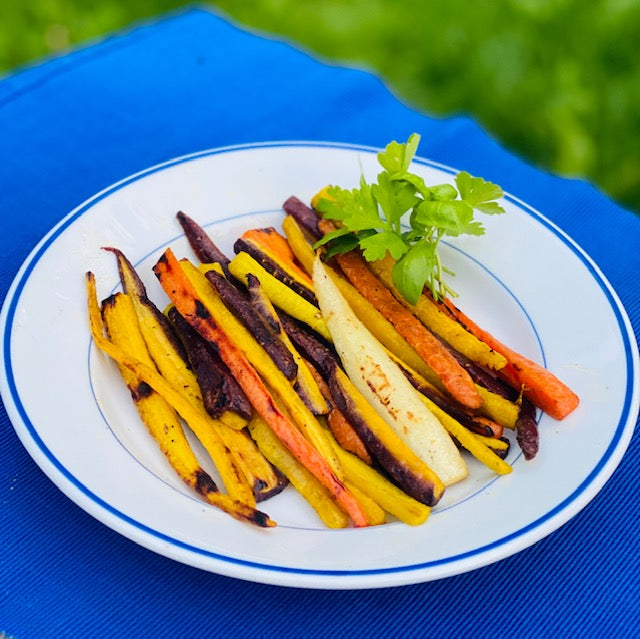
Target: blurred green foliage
x=556 y=81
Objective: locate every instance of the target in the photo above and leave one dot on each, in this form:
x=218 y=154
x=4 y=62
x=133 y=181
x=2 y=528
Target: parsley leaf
x=343 y=243
x=443 y=192
x=375 y=247
x=397 y=157
x=414 y=270
x=357 y=209
x=479 y=193
x=374 y=218
x=395 y=198
x=453 y=217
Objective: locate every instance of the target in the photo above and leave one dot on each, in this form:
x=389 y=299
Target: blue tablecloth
x=73 y=125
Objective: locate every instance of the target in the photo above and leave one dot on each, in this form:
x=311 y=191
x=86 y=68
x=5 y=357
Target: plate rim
x=138 y=531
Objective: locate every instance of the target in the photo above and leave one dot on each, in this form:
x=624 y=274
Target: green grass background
x=556 y=81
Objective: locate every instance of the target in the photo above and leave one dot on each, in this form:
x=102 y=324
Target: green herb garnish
x=374 y=218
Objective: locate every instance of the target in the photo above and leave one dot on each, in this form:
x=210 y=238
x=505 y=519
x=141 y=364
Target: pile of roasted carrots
x=244 y=356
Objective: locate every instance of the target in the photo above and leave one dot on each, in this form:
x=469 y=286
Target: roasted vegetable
x=439 y=322
x=383 y=384
x=196 y=420
x=272 y=251
x=164 y=425
x=454 y=378
x=263 y=332
x=346 y=435
x=356 y=402
x=220 y=392
x=499 y=446
x=305 y=216
x=539 y=385
x=301 y=479
x=191 y=307
x=204 y=248
x=527 y=429
x=299 y=244
x=160 y=337
x=305 y=384
x=280 y=294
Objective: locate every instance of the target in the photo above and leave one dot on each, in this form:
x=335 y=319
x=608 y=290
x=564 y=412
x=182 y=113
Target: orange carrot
x=538 y=384
x=346 y=436
x=276 y=245
x=340 y=426
x=455 y=379
x=184 y=297
x=496 y=429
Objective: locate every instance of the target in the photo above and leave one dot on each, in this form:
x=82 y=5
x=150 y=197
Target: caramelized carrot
x=454 y=378
x=538 y=385
x=340 y=426
x=346 y=436
x=276 y=245
x=491 y=428
x=184 y=297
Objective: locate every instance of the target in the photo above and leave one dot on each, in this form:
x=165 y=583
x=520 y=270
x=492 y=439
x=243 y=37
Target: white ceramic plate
x=524 y=280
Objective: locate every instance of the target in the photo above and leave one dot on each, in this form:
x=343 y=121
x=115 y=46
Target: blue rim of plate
x=618 y=441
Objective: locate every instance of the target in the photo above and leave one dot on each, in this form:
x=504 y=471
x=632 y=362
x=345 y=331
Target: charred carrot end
x=454 y=378
x=491 y=428
x=238 y=510
x=539 y=385
x=182 y=293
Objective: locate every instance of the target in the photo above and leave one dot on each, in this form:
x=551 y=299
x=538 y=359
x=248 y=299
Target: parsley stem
x=442 y=287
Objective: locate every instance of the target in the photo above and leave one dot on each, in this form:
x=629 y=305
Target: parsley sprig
x=374 y=218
